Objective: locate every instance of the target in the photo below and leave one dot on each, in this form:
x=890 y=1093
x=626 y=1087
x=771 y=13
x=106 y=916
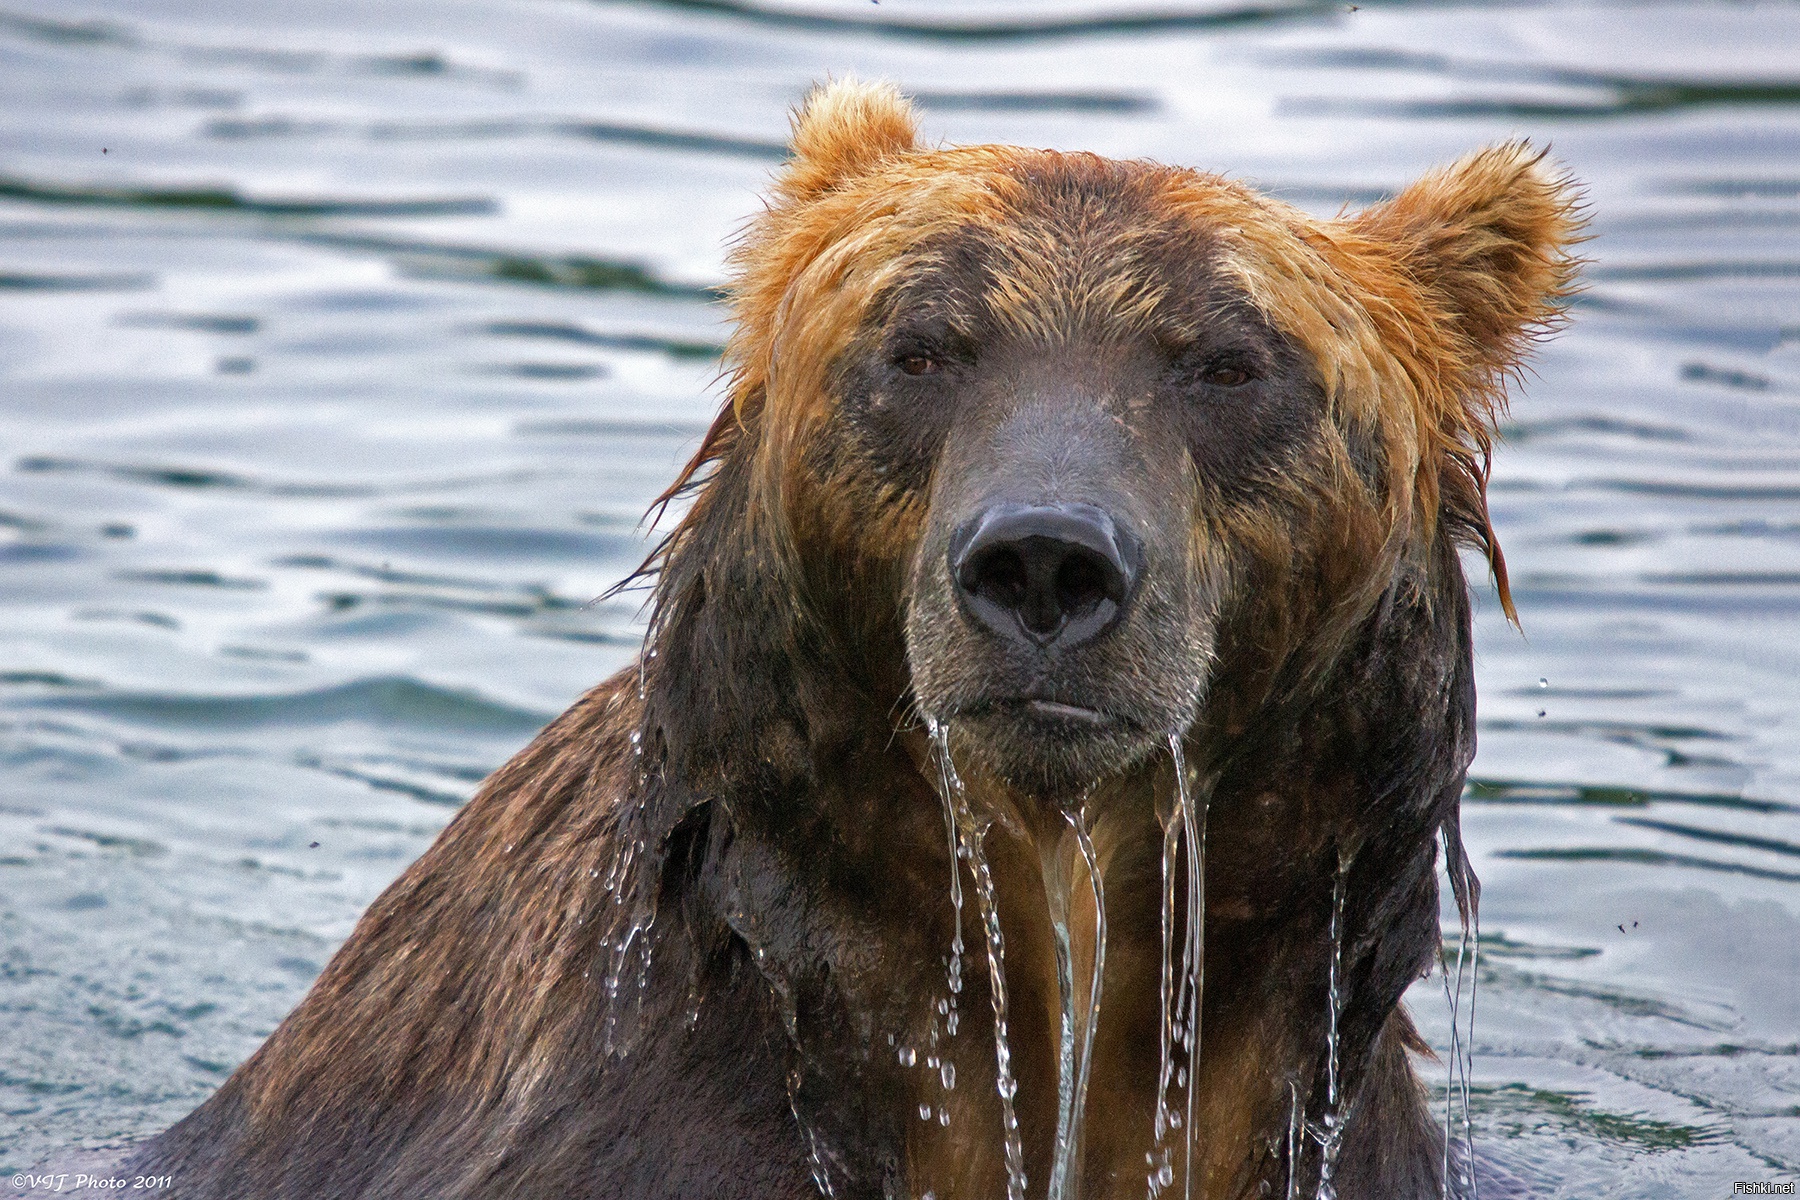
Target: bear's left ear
x=844 y=130
x=1471 y=263
x=1487 y=240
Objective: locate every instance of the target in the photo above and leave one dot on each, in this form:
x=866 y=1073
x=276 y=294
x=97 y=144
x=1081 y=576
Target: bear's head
x=1037 y=440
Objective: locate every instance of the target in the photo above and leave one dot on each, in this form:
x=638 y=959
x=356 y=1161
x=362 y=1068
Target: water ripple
x=1222 y=16
x=1643 y=857
x=391 y=701
x=228 y=199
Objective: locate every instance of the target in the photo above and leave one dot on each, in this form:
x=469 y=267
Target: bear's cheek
x=889 y=438
x=864 y=530
x=855 y=530
x=857 y=496
x=1248 y=444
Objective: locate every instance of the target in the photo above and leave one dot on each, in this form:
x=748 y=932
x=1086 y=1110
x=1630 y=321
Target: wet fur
x=758 y=788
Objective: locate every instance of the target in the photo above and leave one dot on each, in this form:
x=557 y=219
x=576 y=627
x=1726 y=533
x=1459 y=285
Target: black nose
x=1049 y=573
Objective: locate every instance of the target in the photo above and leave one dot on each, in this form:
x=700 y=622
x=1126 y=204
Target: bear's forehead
x=1074 y=240
x=1050 y=208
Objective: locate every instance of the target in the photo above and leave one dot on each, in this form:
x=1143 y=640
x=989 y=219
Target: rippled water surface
x=344 y=344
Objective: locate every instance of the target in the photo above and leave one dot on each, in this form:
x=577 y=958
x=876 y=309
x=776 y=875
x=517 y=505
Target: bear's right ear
x=844 y=130
x=1487 y=241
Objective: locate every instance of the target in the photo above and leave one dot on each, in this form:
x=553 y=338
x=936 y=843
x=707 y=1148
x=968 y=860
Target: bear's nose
x=1045 y=573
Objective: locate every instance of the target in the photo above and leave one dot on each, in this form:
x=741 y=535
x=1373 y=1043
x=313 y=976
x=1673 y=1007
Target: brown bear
x=1031 y=785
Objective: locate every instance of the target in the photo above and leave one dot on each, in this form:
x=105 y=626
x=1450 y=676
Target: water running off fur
x=1462 y=1055
x=968 y=840
x=629 y=881
x=628 y=973
x=1330 y=1133
x=1073 y=1067
x=1296 y=1122
x=1184 y=834
x=953 y=965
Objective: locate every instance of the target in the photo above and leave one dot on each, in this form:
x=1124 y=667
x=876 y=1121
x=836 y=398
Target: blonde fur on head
x=1416 y=310
x=846 y=128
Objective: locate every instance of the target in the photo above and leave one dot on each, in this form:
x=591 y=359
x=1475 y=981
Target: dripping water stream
x=1296 y=1120
x=968 y=839
x=1461 y=1057
x=1184 y=835
x=628 y=974
x=1072 y=1067
x=1331 y=1126
x=948 y=782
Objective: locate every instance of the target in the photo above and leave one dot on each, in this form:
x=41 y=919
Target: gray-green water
x=342 y=346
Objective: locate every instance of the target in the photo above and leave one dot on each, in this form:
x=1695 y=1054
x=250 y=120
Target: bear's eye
x=1224 y=375
x=918 y=364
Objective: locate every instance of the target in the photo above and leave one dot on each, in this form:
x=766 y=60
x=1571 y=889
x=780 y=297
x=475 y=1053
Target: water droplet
x=908 y=1056
x=1543 y=683
x=944 y=1117
x=947 y=1076
x=943 y=1007
x=924 y=1112
x=1165 y=1175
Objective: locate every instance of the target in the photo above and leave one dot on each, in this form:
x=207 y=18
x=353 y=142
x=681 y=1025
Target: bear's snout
x=1045 y=574
x=1055 y=612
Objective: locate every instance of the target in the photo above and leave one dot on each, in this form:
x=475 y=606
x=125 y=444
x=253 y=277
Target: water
x=1331 y=1125
x=949 y=785
x=971 y=829
x=344 y=345
x=1296 y=1123
x=1078 y=1023
x=1182 y=988
x=1069 y=1148
x=1458 y=1065
x=1064 y=1174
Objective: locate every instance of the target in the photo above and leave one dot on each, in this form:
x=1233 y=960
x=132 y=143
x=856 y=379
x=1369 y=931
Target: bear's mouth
x=1052 y=748
x=1056 y=710
x=1040 y=710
